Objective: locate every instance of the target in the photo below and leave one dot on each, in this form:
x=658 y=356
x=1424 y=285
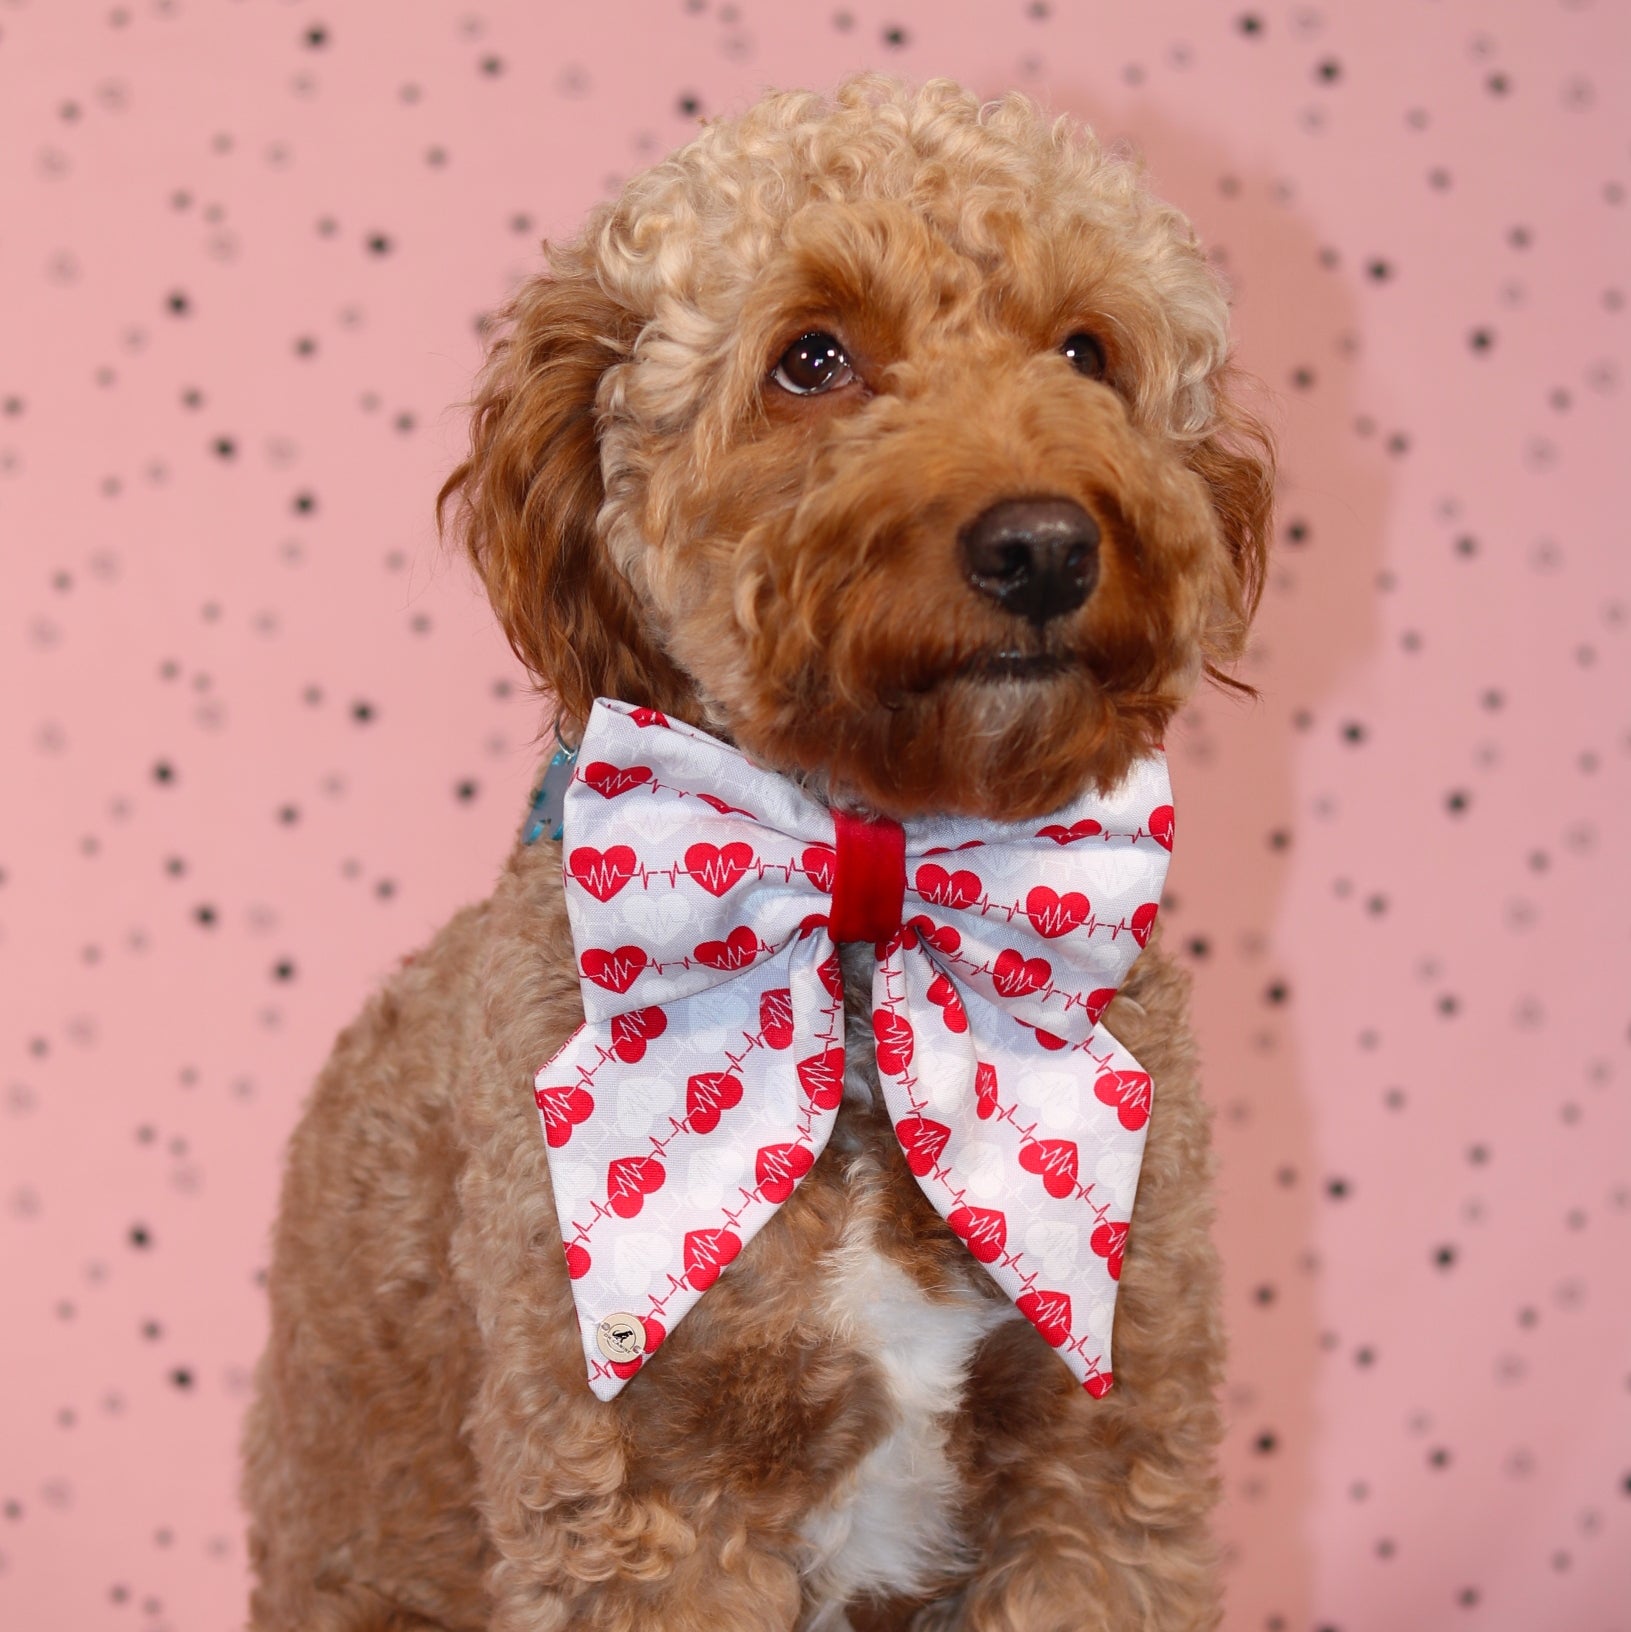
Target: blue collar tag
x=549 y=802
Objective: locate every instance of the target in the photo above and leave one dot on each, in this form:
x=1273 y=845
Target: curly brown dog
x=888 y=438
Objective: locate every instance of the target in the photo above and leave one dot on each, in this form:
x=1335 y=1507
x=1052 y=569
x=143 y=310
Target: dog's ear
x=527 y=498
x=1236 y=461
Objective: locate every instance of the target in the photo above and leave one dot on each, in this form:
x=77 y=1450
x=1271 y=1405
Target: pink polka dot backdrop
x=260 y=736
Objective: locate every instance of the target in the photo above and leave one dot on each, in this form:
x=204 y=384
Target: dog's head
x=886 y=436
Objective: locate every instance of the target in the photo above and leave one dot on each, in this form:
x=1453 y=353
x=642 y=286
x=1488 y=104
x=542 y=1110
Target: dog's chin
x=1006 y=735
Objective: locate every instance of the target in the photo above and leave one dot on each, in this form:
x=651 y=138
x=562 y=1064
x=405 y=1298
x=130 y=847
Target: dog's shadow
x=1242 y=809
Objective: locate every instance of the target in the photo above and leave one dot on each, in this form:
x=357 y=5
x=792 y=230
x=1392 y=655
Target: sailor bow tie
x=707 y=898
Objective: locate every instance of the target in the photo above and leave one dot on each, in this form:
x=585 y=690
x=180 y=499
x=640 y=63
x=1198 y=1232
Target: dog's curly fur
x=657 y=519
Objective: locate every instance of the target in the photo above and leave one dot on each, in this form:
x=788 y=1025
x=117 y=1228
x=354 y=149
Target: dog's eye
x=1086 y=354
x=814 y=363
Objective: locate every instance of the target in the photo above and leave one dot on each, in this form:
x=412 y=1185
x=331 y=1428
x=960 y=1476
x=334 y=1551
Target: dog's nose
x=1036 y=558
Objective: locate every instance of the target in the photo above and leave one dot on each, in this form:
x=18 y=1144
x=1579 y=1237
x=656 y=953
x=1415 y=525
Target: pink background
x=260 y=738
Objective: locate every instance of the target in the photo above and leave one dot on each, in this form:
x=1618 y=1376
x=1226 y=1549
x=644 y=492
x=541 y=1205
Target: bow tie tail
x=674 y=1132
x=1030 y=1152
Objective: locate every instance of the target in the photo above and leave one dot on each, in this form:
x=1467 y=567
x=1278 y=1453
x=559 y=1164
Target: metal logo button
x=621 y=1338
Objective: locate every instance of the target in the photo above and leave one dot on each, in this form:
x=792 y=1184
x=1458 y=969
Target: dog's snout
x=1036 y=558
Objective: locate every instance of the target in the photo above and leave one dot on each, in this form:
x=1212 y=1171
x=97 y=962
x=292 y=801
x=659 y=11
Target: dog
x=887 y=445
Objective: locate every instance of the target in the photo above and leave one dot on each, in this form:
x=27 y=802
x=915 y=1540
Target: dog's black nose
x=1036 y=558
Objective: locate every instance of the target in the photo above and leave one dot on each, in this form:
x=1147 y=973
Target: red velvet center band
x=869 y=886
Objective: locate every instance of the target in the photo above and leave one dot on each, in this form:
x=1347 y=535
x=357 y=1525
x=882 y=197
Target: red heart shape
x=944 y=996
x=1015 y=976
x=820 y=865
x=719 y=804
x=1109 y=1241
x=942 y=937
x=1099 y=1384
x=717 y=870
x=706 y=1253
x=777 y=1168
x=610 y=780
x=1049 y=1313
x=1084 y=829
x=821 y=1076
x=654 y=1341
x=632 y=1031
x=894 y=1036
x=1054 y=1161
x=945 y=889
x=985 y=1089
x=736 y=951
x=1047 y=1040
x=982 y=1229
x=1098 y=1002
x=832 y=976
x=708 y=1094
x=602 y=872
x=1129 y=1092
x=614 y=970
x=563 y=1107
x=1144 y=922
x=629 y=1180
x=577 y=1260
x=647 y=716
x=1161 y=826
x=923 y=1141
x=1053 y=915
x=776 y=1018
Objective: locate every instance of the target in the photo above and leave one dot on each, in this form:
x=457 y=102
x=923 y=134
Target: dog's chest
x=893 y=1524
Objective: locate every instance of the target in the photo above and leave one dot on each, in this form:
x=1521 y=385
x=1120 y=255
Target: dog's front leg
x=583 y=1546
x=1091 y=1515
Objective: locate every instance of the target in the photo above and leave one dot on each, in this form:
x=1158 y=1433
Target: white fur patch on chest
x=892 y=1525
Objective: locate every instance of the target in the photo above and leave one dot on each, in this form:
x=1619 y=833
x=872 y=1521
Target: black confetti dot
x=689 y=106
x=205 y=916
x=181 y=1377
x=283 y=969
x=1249 y=24
x=1329 y=71
x=177 y=303
x=139 y=1237
x=1481 y=339
x=1266 y=1443
x=378 y=244
x=1457 y=800
x=1438 y=1457
x=362 y=712
x=1337 y=1189
x=1444 y=1257
x=896 y=37
x=316 y=36
x=164 y=772
x=303 y=504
